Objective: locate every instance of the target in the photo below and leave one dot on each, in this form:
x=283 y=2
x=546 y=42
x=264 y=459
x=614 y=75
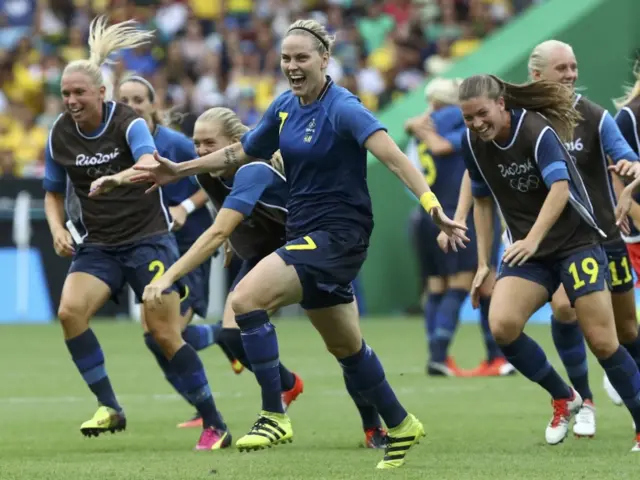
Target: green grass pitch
x=476 y=428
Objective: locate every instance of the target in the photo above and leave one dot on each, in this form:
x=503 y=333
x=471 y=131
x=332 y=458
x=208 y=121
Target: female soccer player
x=517 y=156
x=251 y=205
x=190 y=218
x=595 y=138
x=124 y=233
x=324 y=134
x=628 y=120
x=449 y=276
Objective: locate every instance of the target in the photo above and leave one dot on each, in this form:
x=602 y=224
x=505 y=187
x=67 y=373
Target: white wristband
x=188 y=205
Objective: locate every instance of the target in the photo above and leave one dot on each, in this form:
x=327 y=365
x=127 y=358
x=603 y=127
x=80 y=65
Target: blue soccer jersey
x=258 y=192
x=179 y=148
x=448 y=169
x=627 y=121
x=325 y=161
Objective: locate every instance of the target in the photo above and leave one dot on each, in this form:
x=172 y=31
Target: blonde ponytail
x=105 y=40
x=630 y=92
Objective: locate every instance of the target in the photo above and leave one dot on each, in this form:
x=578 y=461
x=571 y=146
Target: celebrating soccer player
x=628 y=120
x=323 y=133
x=596 y=137
x=449 y=275
x=123 y=234
x=513 y=151
x=190 y=219
x=251 y=206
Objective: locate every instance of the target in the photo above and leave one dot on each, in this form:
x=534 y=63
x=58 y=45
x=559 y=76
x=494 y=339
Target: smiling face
x=136 y=95
x=561 y=66
x=303 y=66
x=82 y=99
x=208 y=137
x=485 y=117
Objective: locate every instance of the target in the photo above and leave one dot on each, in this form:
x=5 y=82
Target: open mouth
x=76 y=111
x=484 y=131
x=297 y=81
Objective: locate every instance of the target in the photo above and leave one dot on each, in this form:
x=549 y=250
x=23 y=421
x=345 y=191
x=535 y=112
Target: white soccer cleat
x=613 y=394
x=636 y=447
x=563 y=410
x=585 y=425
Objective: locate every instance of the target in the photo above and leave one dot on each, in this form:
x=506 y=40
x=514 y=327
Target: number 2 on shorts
x=158 y=267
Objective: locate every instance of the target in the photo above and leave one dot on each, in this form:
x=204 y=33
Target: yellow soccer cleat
x=399 y=440
x=105 y=419
x=270 y=429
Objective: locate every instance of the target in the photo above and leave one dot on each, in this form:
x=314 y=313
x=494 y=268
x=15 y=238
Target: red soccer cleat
x=195 y=422
x=289 y=396
x=498 y=367
x=375 y=438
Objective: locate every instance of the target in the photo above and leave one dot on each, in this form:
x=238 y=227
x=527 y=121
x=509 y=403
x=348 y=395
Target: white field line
x=169 y=397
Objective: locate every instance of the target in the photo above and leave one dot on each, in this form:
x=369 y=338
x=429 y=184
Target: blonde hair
x=232 y=128
x=540 y=55
x=552 y=99
x=314 y=30
x=630 y=92
x=105 y=40
x=443 y=90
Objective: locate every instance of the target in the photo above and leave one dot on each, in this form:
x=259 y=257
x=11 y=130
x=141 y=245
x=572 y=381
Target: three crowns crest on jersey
x=309 y=131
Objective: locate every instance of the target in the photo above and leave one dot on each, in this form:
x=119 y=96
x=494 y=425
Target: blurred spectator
x=213 y=52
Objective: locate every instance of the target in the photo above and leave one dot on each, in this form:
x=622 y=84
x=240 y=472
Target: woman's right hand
x=443 y=240
x=163 y=172
x=153 y=292
x=63 y=242
x=476 y=287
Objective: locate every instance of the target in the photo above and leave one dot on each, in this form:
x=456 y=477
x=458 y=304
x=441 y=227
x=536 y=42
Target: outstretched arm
x=386 y=150
x=226 y=222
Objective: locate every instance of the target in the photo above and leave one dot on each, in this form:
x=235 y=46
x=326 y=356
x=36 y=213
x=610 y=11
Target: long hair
x=630 y=92
x=232 y=128
x=552 y=99
x=105 y=40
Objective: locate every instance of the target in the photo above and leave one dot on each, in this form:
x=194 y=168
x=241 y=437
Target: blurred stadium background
x=214 y=52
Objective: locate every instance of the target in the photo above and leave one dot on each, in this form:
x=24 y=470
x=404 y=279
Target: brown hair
x=552 y=99
x=156 y=116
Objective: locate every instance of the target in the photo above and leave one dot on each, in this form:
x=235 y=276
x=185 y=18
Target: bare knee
x=436 y=285
x=601 y=341
x=73 y=318
x=166 y=336
x=504 y=329
x=344 y=347
x=627 y=330
x=563 y=312
x=245 y=300
x=165 y=326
